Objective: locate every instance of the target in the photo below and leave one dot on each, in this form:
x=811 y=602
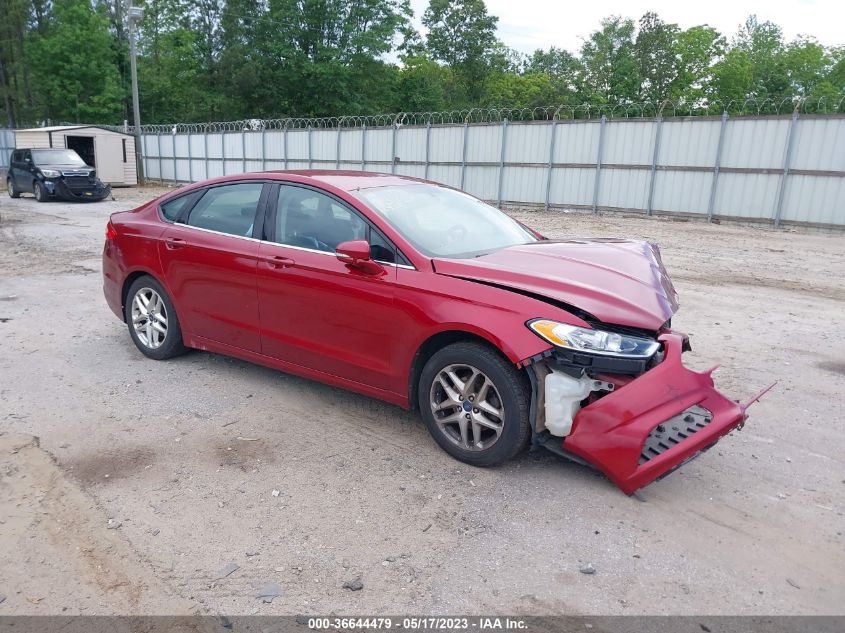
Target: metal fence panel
x=819 y=144
x=747 y=196
x=689 y=142
x=755 y=143
x=576 y=142
x=572 y=187
x=685 y=192
x=815 y=199
x=629 y=142
x=447 y=144
x=528 y=143
x=524 y=184
x=767 y=168
x=624 y=189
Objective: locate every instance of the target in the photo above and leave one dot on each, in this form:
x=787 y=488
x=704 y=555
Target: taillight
x=111 y=232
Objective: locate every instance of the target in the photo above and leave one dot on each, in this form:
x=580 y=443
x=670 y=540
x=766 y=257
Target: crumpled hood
x=617 y=281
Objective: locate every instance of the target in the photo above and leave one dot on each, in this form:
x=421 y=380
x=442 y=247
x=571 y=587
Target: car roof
x=348 y=180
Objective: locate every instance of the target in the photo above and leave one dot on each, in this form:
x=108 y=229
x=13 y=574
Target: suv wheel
x=40 y=192
x=10 y=187
x=475 y=404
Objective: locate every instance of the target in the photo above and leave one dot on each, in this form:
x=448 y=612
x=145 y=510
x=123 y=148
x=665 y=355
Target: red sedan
x=423 y=296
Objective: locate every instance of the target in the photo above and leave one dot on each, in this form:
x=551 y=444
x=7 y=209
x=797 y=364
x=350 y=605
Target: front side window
x=310 y=219
x=227 y=209
x=442 y=222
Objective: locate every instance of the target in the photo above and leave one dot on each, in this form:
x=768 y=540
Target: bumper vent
x=674 y=431
x=78 y=183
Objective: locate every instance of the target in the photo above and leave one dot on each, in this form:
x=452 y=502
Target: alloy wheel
x=149 y=317
x=467 y=407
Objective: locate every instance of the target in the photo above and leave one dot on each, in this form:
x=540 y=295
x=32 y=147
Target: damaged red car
x=426 y=297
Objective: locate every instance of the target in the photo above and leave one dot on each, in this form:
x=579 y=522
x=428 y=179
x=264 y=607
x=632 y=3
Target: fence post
x=464 y=155
x=205 y=151
x=654 y=157
x=160 y=171
x=363 y=146
x=243 y=150
x=551 y=162
x=190 y=161
x=427 y=146
x=263 y=147
x=337 y=152
x=173 y=145
x=223 y=149
x=310 y=159
x=598 y=163
x=393 y=149
x=712 y=202
x=787 y=161
x=502 y=161
x=285 y=144
x=144 y=167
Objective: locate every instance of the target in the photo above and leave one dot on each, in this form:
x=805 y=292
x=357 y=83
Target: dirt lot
x=184 y=457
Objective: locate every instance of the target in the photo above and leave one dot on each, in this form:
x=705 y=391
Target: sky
x=527 y=25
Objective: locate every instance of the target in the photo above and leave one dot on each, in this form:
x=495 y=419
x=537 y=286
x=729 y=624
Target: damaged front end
x=78 y=185
x=634 y=419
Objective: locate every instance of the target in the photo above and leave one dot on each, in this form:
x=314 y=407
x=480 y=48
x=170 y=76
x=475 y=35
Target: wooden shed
x=111 y=153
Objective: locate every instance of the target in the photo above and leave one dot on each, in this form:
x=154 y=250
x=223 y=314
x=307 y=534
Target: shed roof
x=60 y=128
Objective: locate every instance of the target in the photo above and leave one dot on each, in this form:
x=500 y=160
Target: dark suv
x=50 y=173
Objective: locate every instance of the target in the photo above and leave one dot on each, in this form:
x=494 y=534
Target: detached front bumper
x=89 y=192
x=654 y=423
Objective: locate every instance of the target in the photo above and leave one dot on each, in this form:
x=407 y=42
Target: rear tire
x=40 y=192
x=10 y=187
x=475 y=404
x=152 y=321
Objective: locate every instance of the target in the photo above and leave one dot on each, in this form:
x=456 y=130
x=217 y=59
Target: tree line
x=213 y=60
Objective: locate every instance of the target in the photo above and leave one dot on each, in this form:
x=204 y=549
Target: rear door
x=316 y=311
x=209 y=258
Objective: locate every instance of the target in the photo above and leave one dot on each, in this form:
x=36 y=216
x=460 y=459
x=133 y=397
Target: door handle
x=278 y=261
x=173 y=243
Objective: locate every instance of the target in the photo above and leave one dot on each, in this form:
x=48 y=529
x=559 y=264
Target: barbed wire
x=666 y=108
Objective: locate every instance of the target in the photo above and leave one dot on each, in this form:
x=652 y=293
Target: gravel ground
x=204 y=461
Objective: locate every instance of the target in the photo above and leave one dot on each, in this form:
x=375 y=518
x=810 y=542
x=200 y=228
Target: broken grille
x=78 y=182
x=674 y=431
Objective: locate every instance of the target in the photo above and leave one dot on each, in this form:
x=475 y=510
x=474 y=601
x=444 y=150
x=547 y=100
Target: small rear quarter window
x=173 y=208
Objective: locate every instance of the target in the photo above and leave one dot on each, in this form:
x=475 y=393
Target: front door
x=316 y=311
x=209 y=259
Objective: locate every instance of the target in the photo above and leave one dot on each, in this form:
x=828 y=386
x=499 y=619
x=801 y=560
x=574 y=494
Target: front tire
x=151 y=317
x=475 y=404
x=10 y=187
x=40 y=192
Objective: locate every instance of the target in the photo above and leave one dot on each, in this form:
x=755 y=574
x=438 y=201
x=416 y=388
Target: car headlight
x=50 y=173
x=594 y=341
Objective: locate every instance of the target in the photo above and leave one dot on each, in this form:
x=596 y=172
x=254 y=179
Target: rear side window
x=172 y=208
x=228 y=209
x=16 y=156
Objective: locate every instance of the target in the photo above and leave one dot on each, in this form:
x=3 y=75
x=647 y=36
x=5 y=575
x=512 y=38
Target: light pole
x=135 y=15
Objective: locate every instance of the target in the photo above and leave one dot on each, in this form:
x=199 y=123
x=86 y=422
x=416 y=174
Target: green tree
x=463 y=35
x=656 y=49
x=75 y=75
x=696 y=50
x=610 y=68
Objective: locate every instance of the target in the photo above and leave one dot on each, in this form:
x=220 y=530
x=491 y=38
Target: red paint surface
x=314 y=315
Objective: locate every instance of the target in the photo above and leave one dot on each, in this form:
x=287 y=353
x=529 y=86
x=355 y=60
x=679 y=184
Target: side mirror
x=356 y=253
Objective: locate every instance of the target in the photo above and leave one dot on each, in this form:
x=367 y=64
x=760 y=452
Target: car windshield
x=57 y=157
x=443 y=222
